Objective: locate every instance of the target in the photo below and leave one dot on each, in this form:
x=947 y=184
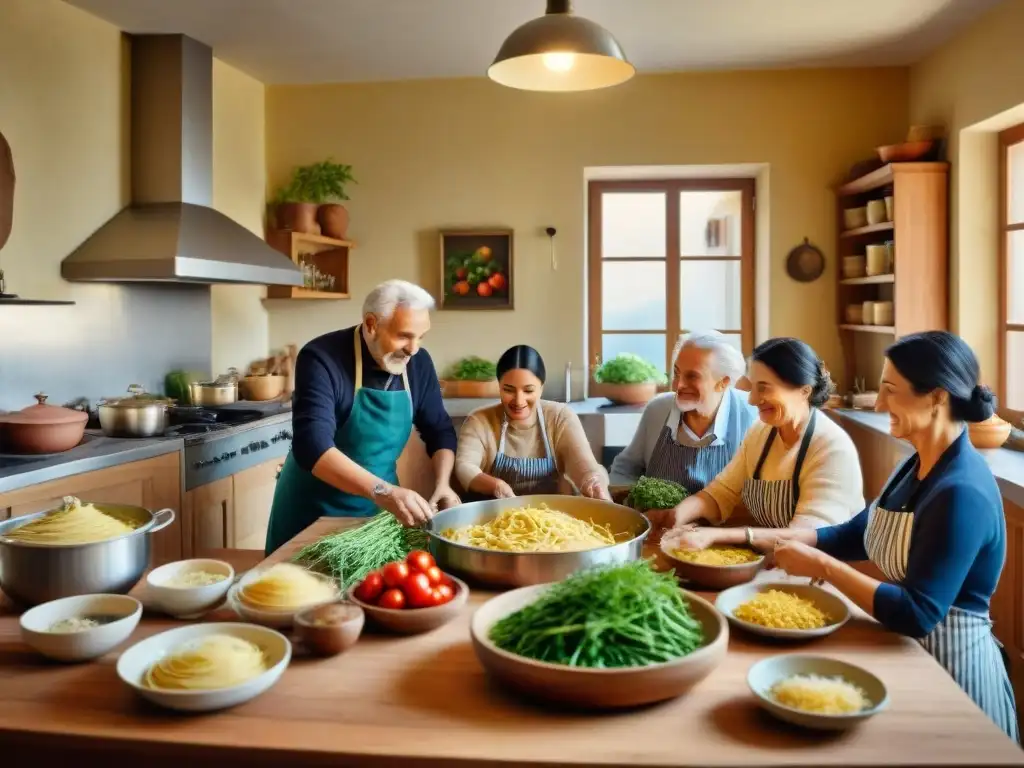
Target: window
x=667 y=257
x=1011 y=269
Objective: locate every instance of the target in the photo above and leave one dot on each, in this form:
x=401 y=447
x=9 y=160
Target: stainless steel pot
x=37 y=573
x=521 y=569
x=137 y=415
x=213 y=393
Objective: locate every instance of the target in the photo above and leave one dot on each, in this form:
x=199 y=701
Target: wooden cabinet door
x=254 y=496
x=152 y=483
x=208 y=514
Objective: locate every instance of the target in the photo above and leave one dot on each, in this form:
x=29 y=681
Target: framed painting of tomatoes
x=476 y=269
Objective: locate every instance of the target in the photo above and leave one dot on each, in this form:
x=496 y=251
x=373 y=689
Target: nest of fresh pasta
x=534 y=529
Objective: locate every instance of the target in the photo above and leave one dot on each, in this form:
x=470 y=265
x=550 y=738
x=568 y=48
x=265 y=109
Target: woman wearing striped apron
x=936 y=532
x=524 y=445
x=690 y=434
x=792 y=469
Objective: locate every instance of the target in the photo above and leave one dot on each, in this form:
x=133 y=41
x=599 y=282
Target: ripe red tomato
x=419 y=560
x=393 y=599
x=497 y=281
x=370 y=588
x=395 y=574
x=417 y=590
x=461 y=288
x=435 y=575
x=446 y=592
x=484 y=289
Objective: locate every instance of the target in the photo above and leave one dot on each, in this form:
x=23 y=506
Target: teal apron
x=373 y=436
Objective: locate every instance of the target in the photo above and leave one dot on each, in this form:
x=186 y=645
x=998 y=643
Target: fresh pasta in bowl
x=533 y=528
x=205 y=667
x=273 y=596
x=71 y=523
x=784 y=610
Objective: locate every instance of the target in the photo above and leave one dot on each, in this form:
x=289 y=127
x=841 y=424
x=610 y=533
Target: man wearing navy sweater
x=358 y=393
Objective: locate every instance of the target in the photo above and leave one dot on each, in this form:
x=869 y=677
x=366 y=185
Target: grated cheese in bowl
x=820 y=695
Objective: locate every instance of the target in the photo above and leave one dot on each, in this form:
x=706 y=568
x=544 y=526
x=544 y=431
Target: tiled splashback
x=115 y=336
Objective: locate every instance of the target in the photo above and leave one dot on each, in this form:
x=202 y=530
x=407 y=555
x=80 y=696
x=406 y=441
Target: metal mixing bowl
x=522 y=569
x=37 y=573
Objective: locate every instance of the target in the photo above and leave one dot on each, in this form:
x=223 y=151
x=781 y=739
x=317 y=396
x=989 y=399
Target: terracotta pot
x=333 y=220
x=629 y=394
x=261 y=388
x=472 y=389
x=991 y=433
x=297 y=217
x=42 y=428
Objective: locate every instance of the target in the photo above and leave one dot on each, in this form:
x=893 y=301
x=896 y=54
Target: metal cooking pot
x=138 y=415
x=213 y=393
x=37 y=573
x=521 y=569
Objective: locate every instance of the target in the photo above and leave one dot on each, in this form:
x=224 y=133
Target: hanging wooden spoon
x=6 y=190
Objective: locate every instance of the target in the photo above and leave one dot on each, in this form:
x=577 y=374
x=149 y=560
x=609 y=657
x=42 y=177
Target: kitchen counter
x=460 y=407
x=425 y=701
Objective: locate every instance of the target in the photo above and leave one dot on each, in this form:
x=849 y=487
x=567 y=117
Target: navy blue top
x=957 y=543
x=325 y=387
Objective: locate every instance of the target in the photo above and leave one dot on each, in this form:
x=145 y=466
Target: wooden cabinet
x=152 y=483
x=232 y=513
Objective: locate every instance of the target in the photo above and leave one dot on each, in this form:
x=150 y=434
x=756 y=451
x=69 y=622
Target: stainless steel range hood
x=169 y=232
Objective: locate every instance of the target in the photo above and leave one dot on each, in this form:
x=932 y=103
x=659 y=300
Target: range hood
x=169 y=232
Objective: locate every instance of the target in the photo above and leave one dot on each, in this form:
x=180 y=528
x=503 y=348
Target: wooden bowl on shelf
x=988 y=434
x=907 y=152
x=864 y=401
x=262 y=388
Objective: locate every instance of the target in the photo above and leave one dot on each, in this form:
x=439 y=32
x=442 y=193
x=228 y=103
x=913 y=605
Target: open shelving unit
x=329 y=257
x=918 y=284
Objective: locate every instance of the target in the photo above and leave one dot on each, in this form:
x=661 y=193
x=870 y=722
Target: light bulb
x=559 y=62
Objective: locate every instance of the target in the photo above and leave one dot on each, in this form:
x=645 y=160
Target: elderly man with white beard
x=358 y=394
x=690 y=434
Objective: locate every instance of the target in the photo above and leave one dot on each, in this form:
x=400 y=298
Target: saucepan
x=139 y=414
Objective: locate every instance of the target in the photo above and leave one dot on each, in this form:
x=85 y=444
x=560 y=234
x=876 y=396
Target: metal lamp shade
x=560 y=52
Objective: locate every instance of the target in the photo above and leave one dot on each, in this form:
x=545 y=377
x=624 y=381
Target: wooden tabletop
x=425 y=701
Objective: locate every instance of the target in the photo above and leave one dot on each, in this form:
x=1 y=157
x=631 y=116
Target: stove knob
x=225 y=456
x=216 y=460
x=264 y=444
x=254 y=446
x=232 y=454
x=286 y=435
x=198 y=464
x=245 y=449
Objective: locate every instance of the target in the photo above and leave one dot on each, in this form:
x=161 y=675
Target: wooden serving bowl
x=906 y=152
x=262 y=388
x=596 y=688
x=414 y=621
x=713 y=576
x=991 y=433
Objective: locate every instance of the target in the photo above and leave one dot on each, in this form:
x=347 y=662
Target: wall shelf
x=870 y=280
x=885 y=226
x=886 y=329
x=327 y=256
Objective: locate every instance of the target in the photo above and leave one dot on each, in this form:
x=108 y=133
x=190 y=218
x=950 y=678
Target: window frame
x=673 y=259
x=1007 y=139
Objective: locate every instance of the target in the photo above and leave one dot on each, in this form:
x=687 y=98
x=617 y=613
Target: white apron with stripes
x=526 y=476
x=962 y=642
x=772 y=503
x=692 y=468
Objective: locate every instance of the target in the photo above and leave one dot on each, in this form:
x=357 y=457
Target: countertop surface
x=460 y=407
x=425 y=701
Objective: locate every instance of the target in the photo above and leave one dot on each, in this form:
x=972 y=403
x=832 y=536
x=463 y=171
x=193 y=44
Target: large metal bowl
x=523 y=569
x=33 y=573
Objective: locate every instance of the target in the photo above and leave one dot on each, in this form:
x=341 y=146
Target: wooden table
x=425 y=701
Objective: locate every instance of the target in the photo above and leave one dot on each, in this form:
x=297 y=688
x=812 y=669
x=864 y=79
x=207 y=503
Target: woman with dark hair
x=525 y=445
x=792 y=469
x=937 y=530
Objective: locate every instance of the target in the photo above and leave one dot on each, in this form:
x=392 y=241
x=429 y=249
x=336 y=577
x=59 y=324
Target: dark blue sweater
x=324 y=388
x=957 y=543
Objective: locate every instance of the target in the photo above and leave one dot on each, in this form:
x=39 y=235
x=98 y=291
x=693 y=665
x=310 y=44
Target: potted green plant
x=629 y=379
x=314 y=195
x=471 y=377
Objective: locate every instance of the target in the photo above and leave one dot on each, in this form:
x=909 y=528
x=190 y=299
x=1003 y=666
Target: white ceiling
x=309 y=41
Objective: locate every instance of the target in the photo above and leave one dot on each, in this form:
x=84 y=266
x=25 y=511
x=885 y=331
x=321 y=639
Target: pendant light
x=560 y=52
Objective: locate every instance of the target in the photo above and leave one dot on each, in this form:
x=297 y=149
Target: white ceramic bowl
x=831 y=604
x=133 y=663
x=188 y=602
x=89 y=643
x=280 y=619
x=767 y=672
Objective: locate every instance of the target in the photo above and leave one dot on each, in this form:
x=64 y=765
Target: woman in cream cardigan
x=525 y=445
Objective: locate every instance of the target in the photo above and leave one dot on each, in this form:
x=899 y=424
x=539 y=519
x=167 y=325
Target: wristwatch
x=380 y=489
x=750 y=537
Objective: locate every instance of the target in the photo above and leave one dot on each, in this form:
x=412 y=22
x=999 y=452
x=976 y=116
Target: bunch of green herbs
x=655 y=493
x=473 y=368
x=607 y=617
x=628 y=368
x=349 y=555
x=318 y=183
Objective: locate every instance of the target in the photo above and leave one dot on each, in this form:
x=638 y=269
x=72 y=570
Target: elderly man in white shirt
x=690 y=435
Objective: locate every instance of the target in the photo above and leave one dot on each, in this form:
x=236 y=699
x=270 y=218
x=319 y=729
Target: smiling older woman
x=937 y=531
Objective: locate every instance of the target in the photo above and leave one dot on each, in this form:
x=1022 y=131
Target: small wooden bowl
x=330 y=629
x=629 y=394
x=414 y=621
x=906 y=152
x=988 y=434
x=262 y=388
x=713 y=576
x=596 y=688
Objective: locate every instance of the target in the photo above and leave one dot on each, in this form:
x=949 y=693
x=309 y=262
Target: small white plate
x=828 y=602
x=133 y=663
x=188 y=602
x=89 y=643
x=767 y=672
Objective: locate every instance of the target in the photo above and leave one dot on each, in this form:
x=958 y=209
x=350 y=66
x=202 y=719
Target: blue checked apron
x=526 y=476
x=692 y=468
x=373 y=436
x=772 y=503
x=962 y=642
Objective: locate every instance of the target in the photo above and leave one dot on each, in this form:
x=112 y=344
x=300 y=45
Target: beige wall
x=974 y=85
x=460 y=153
